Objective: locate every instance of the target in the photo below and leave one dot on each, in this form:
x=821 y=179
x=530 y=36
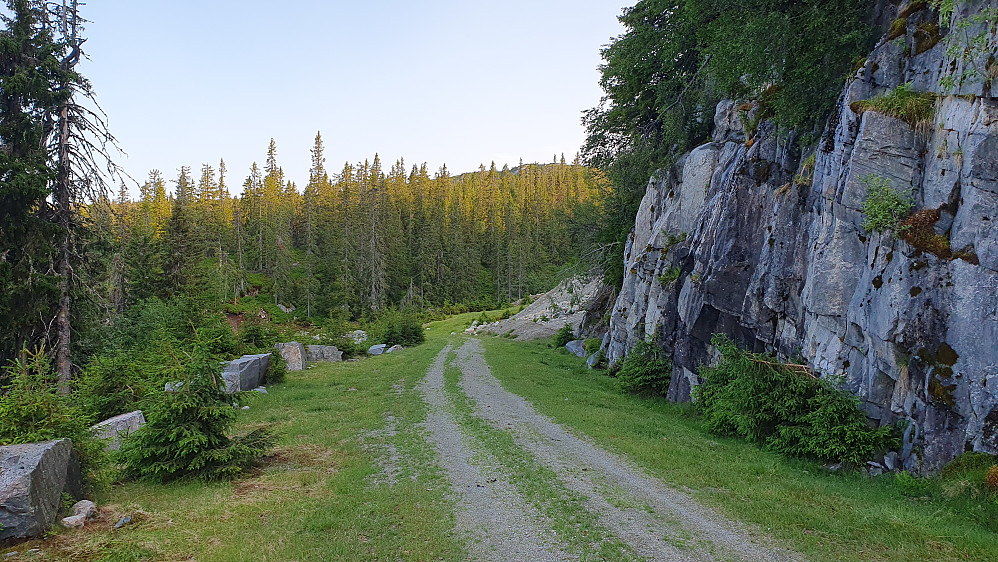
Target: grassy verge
x=317 y=496
x=825 y=516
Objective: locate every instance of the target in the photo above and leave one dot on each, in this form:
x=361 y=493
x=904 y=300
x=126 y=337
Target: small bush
x=115 y=384
x=565 y=334
x=592 y=345
x=218 y=336
x=884 y=207
x=915 y=108
x=669 y=276
x=32 y=410
x=646 y=370
x=254 y=337
x=784 y=408
x=911 y=486
x=186 y=431
x=399 y=327
x=278 y=369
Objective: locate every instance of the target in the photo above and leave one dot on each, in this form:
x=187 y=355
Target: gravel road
x=654 y=521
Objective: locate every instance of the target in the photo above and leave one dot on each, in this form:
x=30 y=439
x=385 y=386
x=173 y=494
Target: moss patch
x=898 y=28
x=926 y=36
x=919 y=231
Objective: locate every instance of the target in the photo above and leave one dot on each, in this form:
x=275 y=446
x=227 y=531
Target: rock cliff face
x=740 y=238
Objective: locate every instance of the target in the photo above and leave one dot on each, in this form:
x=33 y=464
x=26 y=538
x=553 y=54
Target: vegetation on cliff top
x=663 y=76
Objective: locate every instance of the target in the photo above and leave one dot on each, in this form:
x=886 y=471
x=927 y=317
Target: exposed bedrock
x=739 y=237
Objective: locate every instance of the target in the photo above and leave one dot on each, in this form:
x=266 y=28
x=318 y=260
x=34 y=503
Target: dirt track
x=647 y=519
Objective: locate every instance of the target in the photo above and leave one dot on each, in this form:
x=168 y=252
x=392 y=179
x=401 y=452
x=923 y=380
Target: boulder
x=113 y=430
x=377 y=349
x=244 y=373
x=264 y=363
x=578 y=347
x=32 y=479
x=293 y=354
x=593 y=360
x=82 y=511
x=323 y=353
x=394 y=348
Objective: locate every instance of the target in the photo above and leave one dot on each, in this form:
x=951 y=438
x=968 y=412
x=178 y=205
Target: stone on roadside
x=578 y=347
x=293 y=354
x=33 y=478
x=377 y=349
x=113 y=430
x=243 y=373
x=323 y=353
x=82 y=511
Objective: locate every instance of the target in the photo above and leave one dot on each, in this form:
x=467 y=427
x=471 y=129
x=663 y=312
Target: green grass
x=825 y=516
x=915 y=108
x=315 y=498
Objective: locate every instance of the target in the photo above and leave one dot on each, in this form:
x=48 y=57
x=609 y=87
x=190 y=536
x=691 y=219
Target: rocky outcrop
x=113 y=430
x=294 y=355
x=565 y=305
x=323 y=353
x=33 y=478
x=739 y=238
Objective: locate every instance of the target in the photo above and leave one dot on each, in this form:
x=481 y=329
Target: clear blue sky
x=460 y=82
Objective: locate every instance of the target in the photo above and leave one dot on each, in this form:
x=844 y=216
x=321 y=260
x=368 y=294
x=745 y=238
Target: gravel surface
x=496 y=520
x=500 y=523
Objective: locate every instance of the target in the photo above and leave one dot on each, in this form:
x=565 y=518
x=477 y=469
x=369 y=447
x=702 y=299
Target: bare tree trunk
x=64 y=364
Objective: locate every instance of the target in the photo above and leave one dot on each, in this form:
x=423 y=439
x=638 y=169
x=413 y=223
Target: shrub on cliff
x=884 y=207
x=784 y=408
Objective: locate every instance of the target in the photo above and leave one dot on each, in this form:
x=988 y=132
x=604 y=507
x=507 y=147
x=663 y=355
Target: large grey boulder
x=377 y=349
x=32 y=479
x=294 y=355
x=264 y=363
x=243 y=373
x=394 y=348
x=578 y=347
x=113 y=430
x=323 y=353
